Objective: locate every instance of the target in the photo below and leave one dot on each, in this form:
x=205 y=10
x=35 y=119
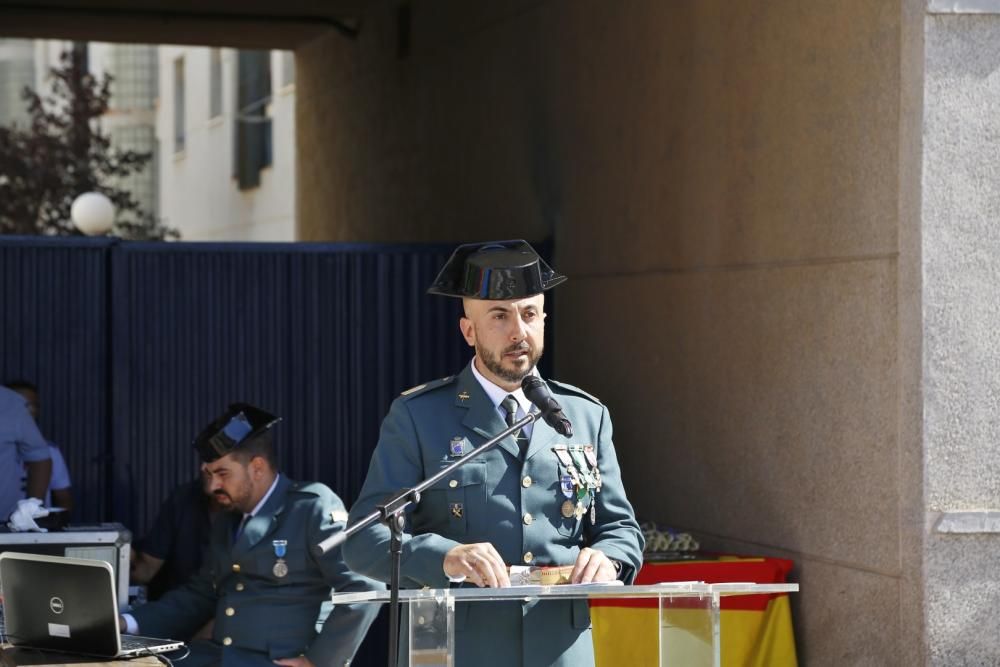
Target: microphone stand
x=390 y=513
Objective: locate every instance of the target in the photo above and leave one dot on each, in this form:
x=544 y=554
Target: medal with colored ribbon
x=585 y=460
x=591 y=456
x=568 y=482
x=567 y=487
x=280 y=568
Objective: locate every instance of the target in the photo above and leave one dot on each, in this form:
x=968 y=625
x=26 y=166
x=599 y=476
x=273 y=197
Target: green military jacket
x=517 y=506
x=264 y=611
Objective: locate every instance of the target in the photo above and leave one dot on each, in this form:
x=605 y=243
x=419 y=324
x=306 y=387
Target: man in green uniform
x=538 y=499
x=260 y=580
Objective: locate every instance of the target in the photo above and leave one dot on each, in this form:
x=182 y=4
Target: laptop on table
x=52 y=603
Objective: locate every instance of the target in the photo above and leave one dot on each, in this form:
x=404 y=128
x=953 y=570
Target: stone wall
x=732 y=192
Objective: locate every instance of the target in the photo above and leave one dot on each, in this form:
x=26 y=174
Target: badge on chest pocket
x=464 y=492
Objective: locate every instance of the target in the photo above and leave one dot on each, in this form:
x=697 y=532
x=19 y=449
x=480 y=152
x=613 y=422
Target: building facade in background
x=219 y=123
x=131 y=120
x=17 y=70
x=226 y=129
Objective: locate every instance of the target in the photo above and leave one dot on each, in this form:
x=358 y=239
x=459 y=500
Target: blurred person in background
x=173 y=549
x=60 y=490
x=22 y=447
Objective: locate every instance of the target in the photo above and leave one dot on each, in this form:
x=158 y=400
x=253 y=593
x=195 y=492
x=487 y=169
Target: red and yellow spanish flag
x=756 y=630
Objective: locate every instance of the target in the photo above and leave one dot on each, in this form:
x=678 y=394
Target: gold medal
x=567 y=509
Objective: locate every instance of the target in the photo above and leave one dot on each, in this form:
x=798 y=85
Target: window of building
x=140 y=184
x=287 y=68
x=179 y=105
x=134 y=67
x=215 y=84
x=17 y=70
x=252 y=143
x=82 y=55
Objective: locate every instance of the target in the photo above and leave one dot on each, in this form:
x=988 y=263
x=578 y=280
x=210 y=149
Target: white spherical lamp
x=92 y=213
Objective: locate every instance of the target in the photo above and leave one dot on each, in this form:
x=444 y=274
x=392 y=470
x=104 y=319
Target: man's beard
x=495 y=362
x=235 y=503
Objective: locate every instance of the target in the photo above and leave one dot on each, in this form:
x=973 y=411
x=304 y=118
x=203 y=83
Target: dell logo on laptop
x=56 y=605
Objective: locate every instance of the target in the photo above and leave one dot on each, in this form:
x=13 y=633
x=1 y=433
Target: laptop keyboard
x=137 y=643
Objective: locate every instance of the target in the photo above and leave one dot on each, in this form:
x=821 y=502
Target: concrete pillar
x=961 y=250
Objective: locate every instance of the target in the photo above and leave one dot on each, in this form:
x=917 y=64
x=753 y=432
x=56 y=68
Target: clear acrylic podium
x=689 y=614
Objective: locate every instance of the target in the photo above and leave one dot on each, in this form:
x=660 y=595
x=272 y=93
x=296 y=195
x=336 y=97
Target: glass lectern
x=688 y=615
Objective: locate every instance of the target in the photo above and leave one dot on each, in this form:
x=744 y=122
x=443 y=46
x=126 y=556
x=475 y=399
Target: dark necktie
x=239 y=528
x=510 y=406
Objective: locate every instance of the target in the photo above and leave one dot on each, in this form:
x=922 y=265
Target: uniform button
x=226 y=641
x=528 y=557
x=230 y=611
x=453 y=483
x=236 y=567
x=526 y=482
x=527 y=519
x=240 y=586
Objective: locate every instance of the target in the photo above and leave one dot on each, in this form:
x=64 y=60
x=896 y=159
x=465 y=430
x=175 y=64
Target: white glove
x=23 y=517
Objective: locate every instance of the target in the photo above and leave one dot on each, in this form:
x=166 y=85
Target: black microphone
x=538 y=393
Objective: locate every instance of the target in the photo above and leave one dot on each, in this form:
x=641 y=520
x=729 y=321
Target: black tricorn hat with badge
x=239 y=425
x=495 y=271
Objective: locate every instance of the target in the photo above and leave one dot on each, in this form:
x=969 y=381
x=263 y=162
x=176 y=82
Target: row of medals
x=581 y=486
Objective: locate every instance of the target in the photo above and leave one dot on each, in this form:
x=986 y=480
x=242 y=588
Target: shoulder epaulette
x=313 y=488
x=428 y=386
x=572 y=389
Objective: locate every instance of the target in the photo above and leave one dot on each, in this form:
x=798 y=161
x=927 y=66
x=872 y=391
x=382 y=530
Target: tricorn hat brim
x=496 y=270
x=240 y=424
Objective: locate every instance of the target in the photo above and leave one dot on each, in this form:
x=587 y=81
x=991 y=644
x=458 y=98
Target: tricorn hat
x=239 y=425
x=496 y=270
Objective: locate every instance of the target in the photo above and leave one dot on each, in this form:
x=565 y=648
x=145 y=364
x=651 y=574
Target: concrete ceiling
x=237 y=23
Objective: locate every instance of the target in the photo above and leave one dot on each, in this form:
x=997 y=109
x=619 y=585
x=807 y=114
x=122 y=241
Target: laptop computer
x=53 y=603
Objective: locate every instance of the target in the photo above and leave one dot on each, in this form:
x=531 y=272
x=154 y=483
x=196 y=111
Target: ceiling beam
x=148 y=24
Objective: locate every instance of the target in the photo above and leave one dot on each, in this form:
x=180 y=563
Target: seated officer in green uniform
x=260 y=580
x=538 y=499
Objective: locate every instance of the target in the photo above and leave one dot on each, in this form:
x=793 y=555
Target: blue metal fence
x=54 y=308
x=135 y=346
x=324 y=336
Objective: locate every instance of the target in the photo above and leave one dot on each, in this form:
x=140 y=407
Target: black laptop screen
x=59 y=604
